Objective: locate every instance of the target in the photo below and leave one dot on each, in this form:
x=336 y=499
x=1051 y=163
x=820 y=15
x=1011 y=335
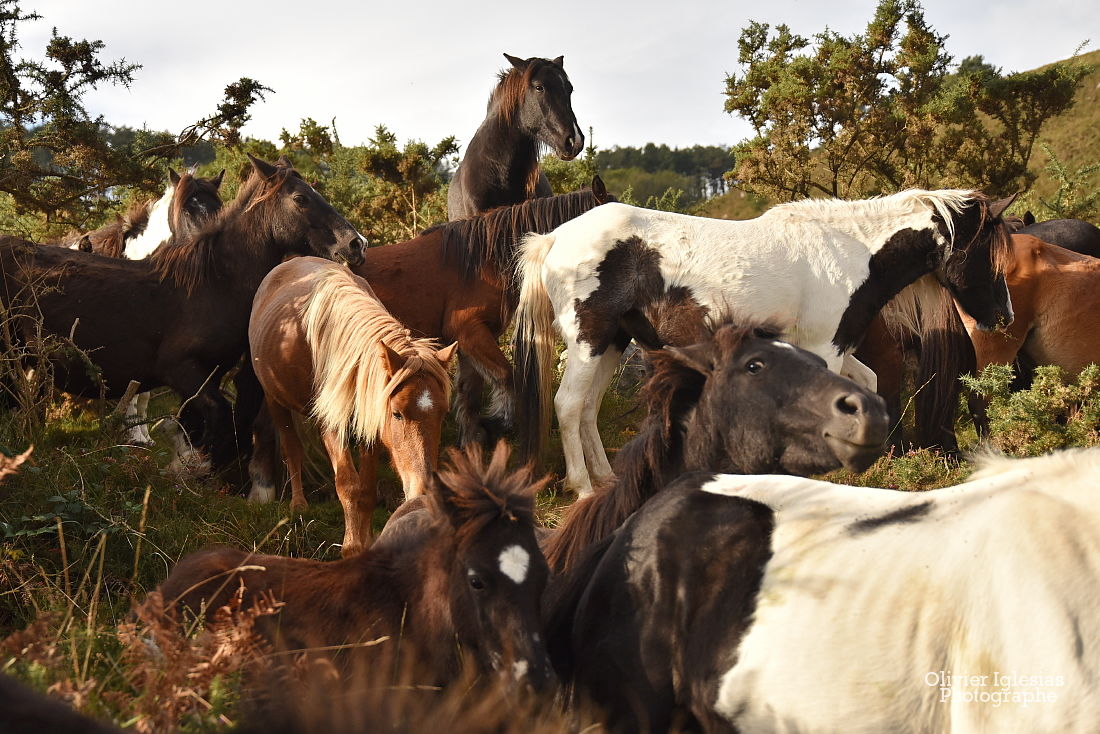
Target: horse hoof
x=262 y=494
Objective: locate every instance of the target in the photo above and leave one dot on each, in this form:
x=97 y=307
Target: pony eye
x=476 y=581
x=539 y=88
x=397 y=416
x=754 y=367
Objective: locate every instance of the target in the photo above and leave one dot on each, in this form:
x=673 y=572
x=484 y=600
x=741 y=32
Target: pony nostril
x=849 y=404
x=570 y=143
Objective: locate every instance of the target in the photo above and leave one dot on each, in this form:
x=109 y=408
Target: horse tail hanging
x=533 y=346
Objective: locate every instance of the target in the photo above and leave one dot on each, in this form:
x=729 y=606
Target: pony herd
x=698 y=582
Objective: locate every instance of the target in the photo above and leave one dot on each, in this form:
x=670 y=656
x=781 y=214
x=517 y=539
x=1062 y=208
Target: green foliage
x=1054 y=413
x=701 y=168
x=1075 y=196
x=880 y=111
x=662 y=189
x=914 y=471
x=566 y=176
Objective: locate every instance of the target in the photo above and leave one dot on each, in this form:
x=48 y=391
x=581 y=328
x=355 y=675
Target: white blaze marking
x=519 y=669
x=785 y=345
x=513 y=563
x=424 y=402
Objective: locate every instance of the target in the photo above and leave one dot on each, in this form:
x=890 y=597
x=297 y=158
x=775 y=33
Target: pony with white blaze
x=973 y=608
x=820 y=270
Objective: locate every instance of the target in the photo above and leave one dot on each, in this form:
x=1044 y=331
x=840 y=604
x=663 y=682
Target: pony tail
x=533 y=346
x=946 y=352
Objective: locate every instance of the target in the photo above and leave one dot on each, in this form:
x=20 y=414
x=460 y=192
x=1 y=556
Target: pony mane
x=488 y=240
x=344 y=324
x=944 y=202
x=189 y=264
x=479 y=494
x=511 y=89
x=653 y=457
x=183 y=191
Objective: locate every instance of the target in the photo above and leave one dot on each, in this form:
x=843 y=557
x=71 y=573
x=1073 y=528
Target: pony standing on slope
x=322 y=344
x=818 y=270
x=529 y=106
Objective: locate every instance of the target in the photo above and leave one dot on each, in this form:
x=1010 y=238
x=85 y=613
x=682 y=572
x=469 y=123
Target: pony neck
x=643 y=467
x=510 y=152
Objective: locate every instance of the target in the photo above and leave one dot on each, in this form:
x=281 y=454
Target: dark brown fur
x=178 y=319
x=412 y=591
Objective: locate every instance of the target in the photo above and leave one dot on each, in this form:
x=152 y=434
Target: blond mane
x=345 y=325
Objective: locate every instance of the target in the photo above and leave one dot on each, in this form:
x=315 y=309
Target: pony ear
x=517 y=63
x=997 y=208
x=391 y=359
x=599 y=190
x=262 y=167
x=85 y=244
x=443 y=500
x=173 y=177
x=445 y=354
x=217 y=180
x=1029 y=218
x=696 y=357
x=284 y=162
x=560 y=61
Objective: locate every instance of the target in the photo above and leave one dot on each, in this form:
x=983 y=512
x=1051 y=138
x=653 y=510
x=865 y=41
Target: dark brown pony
x=465 y=569
x=736 y=402
x=529 y=106
x=179 y=318
x=188 y=202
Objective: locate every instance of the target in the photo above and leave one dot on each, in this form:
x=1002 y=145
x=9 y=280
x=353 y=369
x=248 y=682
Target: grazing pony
x=470 y=573
x=529 y=106
x=322 y=344
x=819 y=270
x=179 y=318
x=736 y=400
x=804 y=606
x=455 y=283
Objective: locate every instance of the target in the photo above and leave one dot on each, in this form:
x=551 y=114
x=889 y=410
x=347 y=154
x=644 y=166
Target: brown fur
x=410 y=594
x=323 y=344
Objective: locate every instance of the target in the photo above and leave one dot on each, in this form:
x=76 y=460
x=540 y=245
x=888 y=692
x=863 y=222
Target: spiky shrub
x=1054 y=413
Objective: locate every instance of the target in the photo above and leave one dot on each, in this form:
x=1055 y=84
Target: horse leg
x=581 y=371
x=592 y=443
x=478 y=347
x=467 y=403
x=263 y=466
x=357 y=509
x=292 y=453
x=859 y=373
x=250 y=399
x=141 y=404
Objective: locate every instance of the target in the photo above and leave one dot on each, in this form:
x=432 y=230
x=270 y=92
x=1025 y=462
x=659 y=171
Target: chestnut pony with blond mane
x=323 y=345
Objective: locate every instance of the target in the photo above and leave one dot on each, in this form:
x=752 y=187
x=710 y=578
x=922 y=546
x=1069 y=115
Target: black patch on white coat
x=629 y=277
x=898 y=517
x=668 y=606
x=906 y=256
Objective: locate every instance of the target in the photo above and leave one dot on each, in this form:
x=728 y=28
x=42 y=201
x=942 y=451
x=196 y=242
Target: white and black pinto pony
x=805 y=606
x=819 y=270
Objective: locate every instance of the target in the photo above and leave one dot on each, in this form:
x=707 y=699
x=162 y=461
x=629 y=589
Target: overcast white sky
x=643 y=70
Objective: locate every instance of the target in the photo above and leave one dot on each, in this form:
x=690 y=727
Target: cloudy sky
x=642 y=70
